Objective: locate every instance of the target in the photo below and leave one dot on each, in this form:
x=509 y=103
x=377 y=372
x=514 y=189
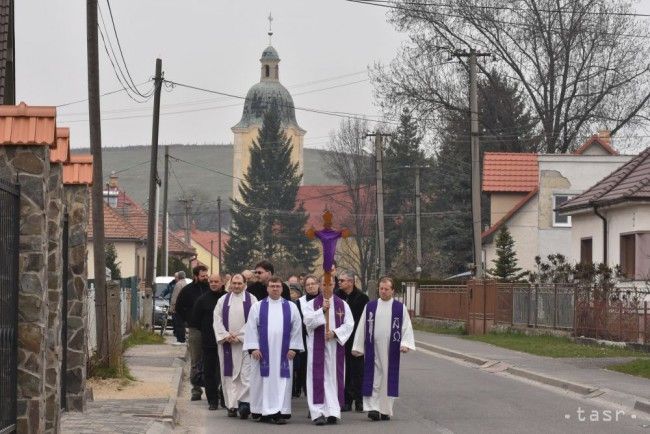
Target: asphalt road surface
x=438 y=395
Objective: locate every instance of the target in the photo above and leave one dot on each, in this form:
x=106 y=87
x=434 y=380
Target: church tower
x=260 y=98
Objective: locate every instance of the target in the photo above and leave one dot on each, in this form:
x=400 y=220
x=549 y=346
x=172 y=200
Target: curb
x=170 y=413
x=582 y=389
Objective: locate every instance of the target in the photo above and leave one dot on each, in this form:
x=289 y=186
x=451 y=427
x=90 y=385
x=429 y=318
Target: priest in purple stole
x=326 y=356
x=273 y=337
x=230 y=317
x=383 y=333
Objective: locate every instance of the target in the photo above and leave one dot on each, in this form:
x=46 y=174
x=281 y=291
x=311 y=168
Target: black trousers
x=179 y=328
x=353 y=378
x=211 y=374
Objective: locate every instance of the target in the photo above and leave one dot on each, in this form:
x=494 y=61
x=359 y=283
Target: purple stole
x=318 y=356
x=227 y=348
x=285 y=372
x=393 y=349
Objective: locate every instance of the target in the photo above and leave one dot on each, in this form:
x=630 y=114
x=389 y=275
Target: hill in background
x=212 y=179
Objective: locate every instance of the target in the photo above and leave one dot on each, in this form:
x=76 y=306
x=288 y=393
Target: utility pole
x=219 y=234
x=379 y=152
x=211 y=257
x=187 y=202
x=476 y=163
x=97 y=196
x=165 y=224
x=418 y=236
x=153 y=179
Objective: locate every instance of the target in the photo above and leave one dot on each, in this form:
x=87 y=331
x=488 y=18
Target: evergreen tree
x=111 y=261
x=505 y=265
x=401 y=155
x=267 y=222
x=505 y=127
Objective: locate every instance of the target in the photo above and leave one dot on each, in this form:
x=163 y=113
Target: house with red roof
x=125 y=226
x=526 y=189
x=206 y=245
x=611 y=220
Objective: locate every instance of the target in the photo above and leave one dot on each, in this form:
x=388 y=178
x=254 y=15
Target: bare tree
x=354 y=167
x=580 y=64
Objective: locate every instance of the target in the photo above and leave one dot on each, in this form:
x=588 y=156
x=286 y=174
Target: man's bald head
x=216 y=282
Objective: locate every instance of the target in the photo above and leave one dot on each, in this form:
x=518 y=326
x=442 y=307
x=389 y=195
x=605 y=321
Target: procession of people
x=260 y=343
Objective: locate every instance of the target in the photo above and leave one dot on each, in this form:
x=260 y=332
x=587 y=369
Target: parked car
x=160 y=304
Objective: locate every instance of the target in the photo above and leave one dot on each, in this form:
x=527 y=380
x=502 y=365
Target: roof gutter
x=605 y=233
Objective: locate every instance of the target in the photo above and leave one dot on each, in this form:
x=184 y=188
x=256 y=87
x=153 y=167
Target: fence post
x=620 y=321
x=528 y=292
x=555 y=305
x=484 y=307
x=536 y=307
x=645 y=322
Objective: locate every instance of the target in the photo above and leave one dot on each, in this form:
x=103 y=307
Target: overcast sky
x=210 y=44
x=325 y=47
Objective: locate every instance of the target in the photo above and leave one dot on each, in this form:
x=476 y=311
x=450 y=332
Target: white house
x=611 y=220
x=525 y=189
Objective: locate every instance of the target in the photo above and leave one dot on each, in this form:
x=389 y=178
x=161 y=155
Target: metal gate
x=482 y=306
x=64 y=314
x=9 y=235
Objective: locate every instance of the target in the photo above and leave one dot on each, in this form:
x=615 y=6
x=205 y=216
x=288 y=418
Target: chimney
x=112 y=181
x=605 y=136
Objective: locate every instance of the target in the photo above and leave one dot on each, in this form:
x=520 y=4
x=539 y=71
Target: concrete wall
x=523 y=228
x=126 y=257
x=622 y=219
x=501 y=203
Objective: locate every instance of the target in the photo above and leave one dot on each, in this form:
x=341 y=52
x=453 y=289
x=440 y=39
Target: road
x=438 y=395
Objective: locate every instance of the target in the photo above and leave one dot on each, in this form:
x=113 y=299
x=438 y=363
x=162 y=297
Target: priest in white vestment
x=383 y=333
x=273 y=338
x=230 y=317
x=326 y=356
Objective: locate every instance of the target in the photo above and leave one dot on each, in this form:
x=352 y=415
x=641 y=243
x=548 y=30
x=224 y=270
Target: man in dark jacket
x=357 y=301
x=184 y=307
x=202 y=318
x=263 y=272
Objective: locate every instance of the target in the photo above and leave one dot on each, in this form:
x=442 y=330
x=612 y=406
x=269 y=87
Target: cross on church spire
x=270 y=27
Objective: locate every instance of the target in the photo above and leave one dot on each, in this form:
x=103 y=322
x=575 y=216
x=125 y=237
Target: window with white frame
x=560 y=220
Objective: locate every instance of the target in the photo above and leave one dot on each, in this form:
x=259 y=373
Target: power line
x=378 y=3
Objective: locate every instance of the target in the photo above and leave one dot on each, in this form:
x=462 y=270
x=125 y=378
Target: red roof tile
x=138 y=217
x=60 y=153
x=603 y=139
x=492 y=229
x=203 y=238
x=504 y=171
x=79 y=170
x=631 y=182
x=24 y=125
x=115 y=226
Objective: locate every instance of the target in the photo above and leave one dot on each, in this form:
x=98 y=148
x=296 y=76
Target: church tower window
x=266 y=70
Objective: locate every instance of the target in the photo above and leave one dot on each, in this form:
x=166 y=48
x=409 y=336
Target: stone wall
x=76 y=201
x=32 y=167
x=55 y=214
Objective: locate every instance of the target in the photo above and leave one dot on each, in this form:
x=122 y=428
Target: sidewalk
x=138 y=406
x=586 y=376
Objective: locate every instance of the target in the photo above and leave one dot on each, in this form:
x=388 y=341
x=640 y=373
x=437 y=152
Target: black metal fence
x=9 y=238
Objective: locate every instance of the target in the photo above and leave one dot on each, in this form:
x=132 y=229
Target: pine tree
x=400 y=156
x=505 y=265
x=111 y=261
x=267 y=222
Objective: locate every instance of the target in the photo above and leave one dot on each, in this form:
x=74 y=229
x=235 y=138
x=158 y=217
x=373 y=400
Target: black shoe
x=358 y=407
x=213 y=407
x=320 y=421
x=195 y=398
x=279 y=420
x=373 y=415
x=346 y=407
x=255 y=416
x=331 y=420
x=232 y=412
x=385 y=417
x=244 y=410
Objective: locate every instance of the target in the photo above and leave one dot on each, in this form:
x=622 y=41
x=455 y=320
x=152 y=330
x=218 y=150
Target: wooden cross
x=328 y=238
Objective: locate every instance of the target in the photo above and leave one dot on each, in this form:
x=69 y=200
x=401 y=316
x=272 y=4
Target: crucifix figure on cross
x=328 y=237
